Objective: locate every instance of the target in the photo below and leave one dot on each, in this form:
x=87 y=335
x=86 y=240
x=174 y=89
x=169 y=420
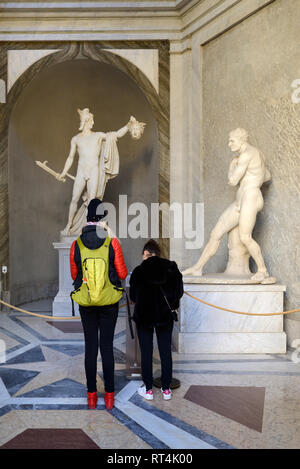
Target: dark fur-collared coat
x=148 y=282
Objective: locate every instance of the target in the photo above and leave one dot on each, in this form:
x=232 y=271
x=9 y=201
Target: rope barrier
x=64 y=318
x=242 y=312
x=68 y=318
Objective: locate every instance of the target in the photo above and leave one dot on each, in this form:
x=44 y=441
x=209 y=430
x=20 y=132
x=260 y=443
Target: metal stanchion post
x=133 y=354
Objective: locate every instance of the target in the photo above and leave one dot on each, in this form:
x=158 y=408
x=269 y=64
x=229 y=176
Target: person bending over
x=156 y=288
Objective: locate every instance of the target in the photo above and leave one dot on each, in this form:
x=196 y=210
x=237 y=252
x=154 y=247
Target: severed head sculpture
x=136 y=128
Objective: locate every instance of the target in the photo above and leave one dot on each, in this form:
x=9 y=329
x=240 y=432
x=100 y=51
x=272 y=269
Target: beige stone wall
x=247 y=76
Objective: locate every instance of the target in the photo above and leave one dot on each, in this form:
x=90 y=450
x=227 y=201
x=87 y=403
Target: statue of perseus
x=248 y=171
x=98 y=162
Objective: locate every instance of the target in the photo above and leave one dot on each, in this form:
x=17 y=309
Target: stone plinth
x=62 y=305
x=203 y=329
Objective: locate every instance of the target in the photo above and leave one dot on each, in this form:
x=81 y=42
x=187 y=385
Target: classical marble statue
x=98 y=162
x=248 y=172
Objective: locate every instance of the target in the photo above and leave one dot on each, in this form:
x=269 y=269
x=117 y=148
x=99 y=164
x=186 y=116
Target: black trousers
x=99 y=324
x=164 y=340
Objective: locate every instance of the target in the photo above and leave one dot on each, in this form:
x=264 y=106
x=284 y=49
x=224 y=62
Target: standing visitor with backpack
x=97 y=268
x=156 y=288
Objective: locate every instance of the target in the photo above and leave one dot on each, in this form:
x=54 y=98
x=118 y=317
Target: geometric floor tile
x=244 y=405
x=16 y=379
x=43 y=395
x=51 y=438
x=67 y=326
x=33 y=355
x=69 y=349
x=63 y=388
x=120 y=380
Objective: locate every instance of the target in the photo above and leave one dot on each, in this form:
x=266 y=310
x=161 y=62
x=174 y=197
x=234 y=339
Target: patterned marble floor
x=224 y=401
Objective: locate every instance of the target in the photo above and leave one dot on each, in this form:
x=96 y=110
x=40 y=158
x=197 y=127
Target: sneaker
x=167 y=394
x=145 y=394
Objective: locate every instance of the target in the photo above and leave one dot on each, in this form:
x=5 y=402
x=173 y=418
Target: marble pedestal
x=62 y=305
x=203 y=329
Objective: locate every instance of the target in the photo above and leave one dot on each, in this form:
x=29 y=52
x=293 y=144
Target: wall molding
x=100 y=5
x=137 y=20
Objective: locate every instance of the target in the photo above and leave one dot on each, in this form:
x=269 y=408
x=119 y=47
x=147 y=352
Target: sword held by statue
x=53 y=173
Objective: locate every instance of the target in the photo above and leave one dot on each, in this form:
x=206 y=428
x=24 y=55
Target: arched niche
x=42 y=122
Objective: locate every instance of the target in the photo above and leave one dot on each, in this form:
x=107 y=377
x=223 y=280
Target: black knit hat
x=95 y=210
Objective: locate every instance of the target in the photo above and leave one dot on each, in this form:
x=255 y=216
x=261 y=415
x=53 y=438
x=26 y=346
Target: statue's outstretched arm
x=135 y=128
x=123 y=131
x=119 y=133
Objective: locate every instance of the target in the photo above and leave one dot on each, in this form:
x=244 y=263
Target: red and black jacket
x=117 y=267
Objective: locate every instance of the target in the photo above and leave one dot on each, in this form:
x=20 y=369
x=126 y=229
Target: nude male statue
x=93 y=170
x=248 y=170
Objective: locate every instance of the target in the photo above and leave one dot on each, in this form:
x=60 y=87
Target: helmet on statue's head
x=85 y=115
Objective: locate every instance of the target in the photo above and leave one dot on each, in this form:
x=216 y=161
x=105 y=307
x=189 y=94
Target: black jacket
x=146 y=284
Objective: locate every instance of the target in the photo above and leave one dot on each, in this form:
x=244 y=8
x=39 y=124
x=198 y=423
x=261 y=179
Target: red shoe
x=109 y=400
x=92 y=399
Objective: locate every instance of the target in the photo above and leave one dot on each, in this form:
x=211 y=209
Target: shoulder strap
x=79 y=242
x=173 y=311
x=163 y=294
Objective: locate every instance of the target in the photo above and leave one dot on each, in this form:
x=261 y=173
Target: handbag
x=174 y=312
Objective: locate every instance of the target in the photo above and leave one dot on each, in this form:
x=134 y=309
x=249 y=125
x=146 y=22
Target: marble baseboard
x=229 y=342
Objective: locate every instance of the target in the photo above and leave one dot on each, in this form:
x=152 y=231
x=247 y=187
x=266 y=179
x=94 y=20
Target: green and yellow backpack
x=96 y=288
